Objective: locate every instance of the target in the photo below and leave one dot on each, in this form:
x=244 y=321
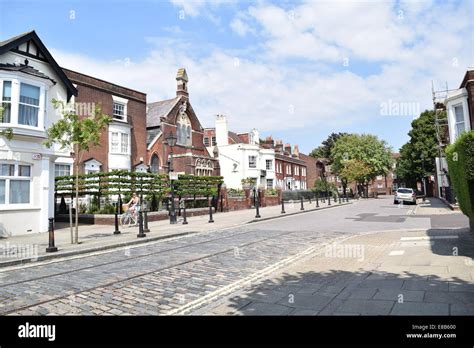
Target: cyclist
x=134 y=205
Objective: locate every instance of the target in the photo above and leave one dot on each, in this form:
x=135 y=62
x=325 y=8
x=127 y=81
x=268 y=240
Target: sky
x=296 y=70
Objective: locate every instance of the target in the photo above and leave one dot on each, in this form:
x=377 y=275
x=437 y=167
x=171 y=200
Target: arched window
x=155 y=163
x=183 y=127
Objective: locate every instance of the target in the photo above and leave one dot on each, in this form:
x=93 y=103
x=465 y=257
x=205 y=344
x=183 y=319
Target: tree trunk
x=76 y=236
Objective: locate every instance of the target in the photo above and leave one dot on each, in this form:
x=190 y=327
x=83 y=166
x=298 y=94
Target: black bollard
x=302 y=207
x=140 y=234
x=51 y=248
x=211 y=220
x=283 y=206
x=117 y=231
x=339 y=196
x=317 y=201
x=145 y=222
x=185 y=221
x=329 y=200
x=257 y=205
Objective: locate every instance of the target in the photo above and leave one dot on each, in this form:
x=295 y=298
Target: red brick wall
x=312 y=174
x=92 y=90
x=184 y=164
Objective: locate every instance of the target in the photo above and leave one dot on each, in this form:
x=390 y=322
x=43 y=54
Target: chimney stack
x=222 y=131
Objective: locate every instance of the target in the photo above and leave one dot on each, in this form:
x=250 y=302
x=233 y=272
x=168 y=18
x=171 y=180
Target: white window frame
x=124 y=103
x=16 y=177
x=254 y=162
x=16 y=82
x=56 y=165
x=271 y=186
x=269 y=164
x=120 y=135
x=456 y=122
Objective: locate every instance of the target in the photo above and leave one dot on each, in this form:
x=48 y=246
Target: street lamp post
x=171 y=141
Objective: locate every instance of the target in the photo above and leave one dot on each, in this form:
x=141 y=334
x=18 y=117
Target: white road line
x=428 y=238
x=397 y=253
x=253 y=278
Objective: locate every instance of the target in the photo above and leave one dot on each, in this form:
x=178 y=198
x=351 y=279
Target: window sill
x=120 y=120
x=16 y=207
x=25 y=130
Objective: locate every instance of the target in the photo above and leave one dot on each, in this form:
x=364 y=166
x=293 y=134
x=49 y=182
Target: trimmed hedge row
x=124 y=182
x=460 y=157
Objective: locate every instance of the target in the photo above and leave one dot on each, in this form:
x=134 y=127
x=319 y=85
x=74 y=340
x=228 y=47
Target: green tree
x=324 y=150
x=360 y=158
x=79 y=134
x=322 y=186
x=417 y=156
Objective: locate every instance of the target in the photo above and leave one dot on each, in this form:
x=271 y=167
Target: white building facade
x=244 y=158
x=29 y=80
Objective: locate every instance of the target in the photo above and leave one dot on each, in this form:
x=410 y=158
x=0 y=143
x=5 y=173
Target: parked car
x=404 y=195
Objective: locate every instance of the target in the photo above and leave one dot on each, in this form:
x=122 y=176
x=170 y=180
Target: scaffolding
x=442 y=135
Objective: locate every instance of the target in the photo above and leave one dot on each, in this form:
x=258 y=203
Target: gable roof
x=16 y=41
x=159 y=109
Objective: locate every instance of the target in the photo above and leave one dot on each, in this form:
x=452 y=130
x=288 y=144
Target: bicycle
x=127 y=218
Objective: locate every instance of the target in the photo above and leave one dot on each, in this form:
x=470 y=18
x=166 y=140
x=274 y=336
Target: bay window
x=23 y=102
x=15 y=183
x=119 y=143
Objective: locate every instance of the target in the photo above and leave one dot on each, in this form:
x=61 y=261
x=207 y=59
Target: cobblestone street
x=195 y=273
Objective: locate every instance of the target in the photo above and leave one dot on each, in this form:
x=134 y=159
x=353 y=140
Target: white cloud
x=266 y=91
x=240 y=27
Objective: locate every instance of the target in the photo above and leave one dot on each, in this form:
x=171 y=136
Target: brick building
x=290 y=169
x=313 y=169
x=177 y=116
x=122 y=144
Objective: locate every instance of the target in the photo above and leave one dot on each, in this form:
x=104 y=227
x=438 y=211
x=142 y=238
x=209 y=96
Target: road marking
x=397 y=252
x=428 y=238
x=253 y=278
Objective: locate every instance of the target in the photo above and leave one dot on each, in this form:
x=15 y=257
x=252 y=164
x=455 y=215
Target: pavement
x=384 y=273
x=32 y=247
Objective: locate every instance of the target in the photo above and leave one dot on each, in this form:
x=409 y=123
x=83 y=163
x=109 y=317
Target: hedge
x=460 y=158
x=124 y=182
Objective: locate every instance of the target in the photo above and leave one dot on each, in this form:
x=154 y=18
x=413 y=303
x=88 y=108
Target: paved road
x=182 y=274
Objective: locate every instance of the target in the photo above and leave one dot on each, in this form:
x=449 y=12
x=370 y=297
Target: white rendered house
x=29 y=79
x=242 y=157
